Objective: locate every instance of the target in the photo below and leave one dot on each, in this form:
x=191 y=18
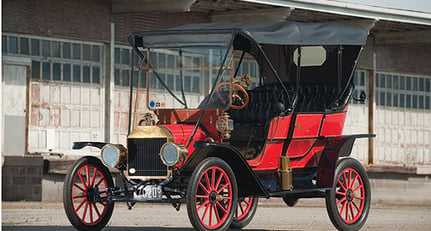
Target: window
x=57 y=60
x=403 y=91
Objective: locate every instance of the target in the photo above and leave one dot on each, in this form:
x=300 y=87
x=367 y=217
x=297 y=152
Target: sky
x=412 y=5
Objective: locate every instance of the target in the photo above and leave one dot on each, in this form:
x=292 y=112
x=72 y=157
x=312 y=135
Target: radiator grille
x=143 y=156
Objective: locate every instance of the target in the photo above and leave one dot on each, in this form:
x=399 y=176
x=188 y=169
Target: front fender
x=248 y=183
x=336 y=147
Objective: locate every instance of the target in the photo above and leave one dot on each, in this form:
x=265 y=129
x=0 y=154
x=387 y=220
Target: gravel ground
x=271 y=215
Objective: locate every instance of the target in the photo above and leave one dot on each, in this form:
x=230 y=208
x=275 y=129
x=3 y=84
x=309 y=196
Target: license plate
x=150 y=192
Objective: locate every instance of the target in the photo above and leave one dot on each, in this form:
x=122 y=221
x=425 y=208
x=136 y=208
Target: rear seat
x=264 y=99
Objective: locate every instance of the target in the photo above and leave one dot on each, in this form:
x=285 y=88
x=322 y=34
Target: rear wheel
x=85 y=195
x=211 y=195
x=348 y=202
x=244 y=213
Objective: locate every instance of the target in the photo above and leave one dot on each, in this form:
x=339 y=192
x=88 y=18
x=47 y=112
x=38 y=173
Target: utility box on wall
x=22 y=178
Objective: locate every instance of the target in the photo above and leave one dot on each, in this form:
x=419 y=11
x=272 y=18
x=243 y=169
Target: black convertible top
x=278 y=33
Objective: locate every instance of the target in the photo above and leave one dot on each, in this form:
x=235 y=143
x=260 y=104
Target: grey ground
x=271 y=215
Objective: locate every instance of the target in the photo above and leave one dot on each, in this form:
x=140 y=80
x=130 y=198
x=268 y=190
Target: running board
x=303 y=193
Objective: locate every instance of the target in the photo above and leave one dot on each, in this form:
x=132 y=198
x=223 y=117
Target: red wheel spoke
x=342 y=199
x=80 y=205
x=224 y=186
x=350 y=177
x=221 y=207
x=80 y=196
x=94 y=177
x=208 y=181
x=341 y=185
x=97 y=210
x=248 y=202
x=87 y=176
x=218 y=181
x=202 y=205
x=213 y=179
x=216 y=213
x=341 y=193
x=91 y=212
x=100 y=181
x=205 y=213
x=356 y=206
x=202 y=196
x=82 y=180
x=85 y=211
x=354 y=190
x=240 y=206
x=211 y=214
x=203 y=187
x=342 y=207
x=79 y=187
x=347 y=211
x=354 y=180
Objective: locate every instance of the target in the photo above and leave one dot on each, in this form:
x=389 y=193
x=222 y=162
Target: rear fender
x=336 y=147
x=248 y=183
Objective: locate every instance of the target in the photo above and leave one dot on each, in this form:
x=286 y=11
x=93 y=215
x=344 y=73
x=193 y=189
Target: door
x=14 y=109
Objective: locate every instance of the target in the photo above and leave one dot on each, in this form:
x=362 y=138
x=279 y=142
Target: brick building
x=66 y=68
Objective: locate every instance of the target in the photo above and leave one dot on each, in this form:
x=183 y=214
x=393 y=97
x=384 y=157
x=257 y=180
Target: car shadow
x=116 y=228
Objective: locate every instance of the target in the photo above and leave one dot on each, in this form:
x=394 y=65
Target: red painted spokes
x=243 y=207
x=213 y=197
x=88 y=184
x=350 y=195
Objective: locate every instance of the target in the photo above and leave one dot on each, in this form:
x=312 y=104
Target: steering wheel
x=240 y=98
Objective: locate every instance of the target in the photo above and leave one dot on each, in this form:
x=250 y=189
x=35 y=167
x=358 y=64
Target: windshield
x=182 y=78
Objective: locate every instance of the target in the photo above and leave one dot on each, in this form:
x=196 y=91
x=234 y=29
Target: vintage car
x=240 y=111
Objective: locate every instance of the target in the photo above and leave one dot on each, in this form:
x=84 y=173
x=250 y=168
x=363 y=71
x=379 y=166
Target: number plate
x=149 y=192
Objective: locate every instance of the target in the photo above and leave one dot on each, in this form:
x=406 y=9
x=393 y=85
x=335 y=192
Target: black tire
x=212 y=187
x=348 y=201
x=245 y=210
x=85 y=181
x=290 y=201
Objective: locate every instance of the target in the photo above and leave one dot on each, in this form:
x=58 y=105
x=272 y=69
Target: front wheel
x=211 y=195
x=85 y=194
x=244 y=213
x=348 y=201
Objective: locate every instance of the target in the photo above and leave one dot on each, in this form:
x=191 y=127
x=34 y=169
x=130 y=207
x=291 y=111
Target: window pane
x=86 y=74
x=125 y=56
x=421 y=102
x=196 y=84
x=24 y=46
x=171 y=61
x=56 y=71
x=4 y=44
x=415 y=101
x=388 y=81
x=161 y=60
x=76 y=51
x=408 y=83
x=55 y=49
x=96 y=75
x=187 y=84
x=66 y=50
x=381 y=80
x=135 y=78
x=162 y=78
x=395 y=100
x=35 y=69
x=408 y=101
x=96 y=53
x=382 y=98
x=135 y=58
x=125 y=78
x=170 y=81
x=388 y=99
x=395 y=82
x=86 y=52
x=117 y=55
x=13 y=44
x=428 y=85
x=402 y=104
x=153 y=80
x=414 y=84
x=427 y=102
x=46 y=48
x=46 y=70
x=177 y=83
x=421 y=84
x=66 y=72
x=117 y=77
x=402 y=83
x=76 y=73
